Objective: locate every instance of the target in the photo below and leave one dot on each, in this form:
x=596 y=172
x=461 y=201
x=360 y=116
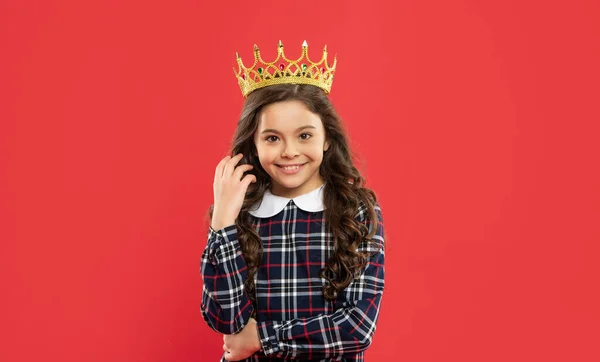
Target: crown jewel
x=284 y=71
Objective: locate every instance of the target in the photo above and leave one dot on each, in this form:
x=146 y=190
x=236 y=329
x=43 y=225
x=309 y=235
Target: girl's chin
x=287 y=184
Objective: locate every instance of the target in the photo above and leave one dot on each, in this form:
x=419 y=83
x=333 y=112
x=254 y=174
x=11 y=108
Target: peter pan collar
x=272 y=205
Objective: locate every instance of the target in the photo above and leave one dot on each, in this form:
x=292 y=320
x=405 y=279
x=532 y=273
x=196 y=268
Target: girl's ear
x=326 y=147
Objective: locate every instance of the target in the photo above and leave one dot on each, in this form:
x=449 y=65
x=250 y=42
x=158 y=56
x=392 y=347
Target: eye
x=272 y=139
x=305 y=136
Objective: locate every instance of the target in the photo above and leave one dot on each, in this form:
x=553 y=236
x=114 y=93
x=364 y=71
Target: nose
x=289 y=150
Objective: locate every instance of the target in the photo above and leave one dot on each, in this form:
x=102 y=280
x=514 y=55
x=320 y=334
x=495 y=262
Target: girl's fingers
x=220 y=166
x=239 y=171
x=248 y=179
x=230 y=165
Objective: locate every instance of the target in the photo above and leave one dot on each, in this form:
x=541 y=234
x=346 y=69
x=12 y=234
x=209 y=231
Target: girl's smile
x=291 y=169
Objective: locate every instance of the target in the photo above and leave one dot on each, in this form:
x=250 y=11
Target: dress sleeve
x=225 y=306
x=348 y=330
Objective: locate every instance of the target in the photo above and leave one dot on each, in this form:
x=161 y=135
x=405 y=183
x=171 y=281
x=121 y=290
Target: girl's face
x=290 y=141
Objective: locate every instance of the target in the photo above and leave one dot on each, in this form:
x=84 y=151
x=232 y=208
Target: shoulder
x=374 y=222
x=363 y=213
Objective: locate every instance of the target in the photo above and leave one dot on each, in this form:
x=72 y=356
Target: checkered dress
x=294 y=319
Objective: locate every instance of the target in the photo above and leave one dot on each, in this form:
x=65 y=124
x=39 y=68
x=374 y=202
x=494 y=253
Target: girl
x=293 y=266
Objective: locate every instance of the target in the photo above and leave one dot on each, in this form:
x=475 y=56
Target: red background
x=477 y=125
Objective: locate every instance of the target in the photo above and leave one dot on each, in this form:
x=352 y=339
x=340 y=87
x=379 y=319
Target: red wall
x=477 y=122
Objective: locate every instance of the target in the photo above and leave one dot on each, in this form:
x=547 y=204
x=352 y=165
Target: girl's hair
x=344 y=191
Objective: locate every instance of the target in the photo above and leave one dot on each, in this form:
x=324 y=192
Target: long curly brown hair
x=344 y=190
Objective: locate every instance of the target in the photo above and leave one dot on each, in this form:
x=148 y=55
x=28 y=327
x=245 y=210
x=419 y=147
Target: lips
x=291 y=168
x=291 y=165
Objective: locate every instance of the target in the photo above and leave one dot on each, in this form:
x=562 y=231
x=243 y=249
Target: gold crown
x=285 y=71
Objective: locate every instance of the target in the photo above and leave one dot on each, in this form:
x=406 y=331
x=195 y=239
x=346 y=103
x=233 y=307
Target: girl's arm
x=225 y=305
x=349 y=330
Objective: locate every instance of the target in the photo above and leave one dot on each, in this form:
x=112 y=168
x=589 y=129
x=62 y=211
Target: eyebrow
x=276 y=131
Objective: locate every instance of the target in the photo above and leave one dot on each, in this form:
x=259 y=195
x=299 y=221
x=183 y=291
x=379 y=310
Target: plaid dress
x=293 y=318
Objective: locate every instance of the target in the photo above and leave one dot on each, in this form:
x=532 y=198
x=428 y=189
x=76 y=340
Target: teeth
x=290 y=168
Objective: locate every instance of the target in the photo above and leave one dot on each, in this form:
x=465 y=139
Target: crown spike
x=280 y=44
x=325 y=48
x=237 y=56
x=240 y=62
x=255 y=48
x=304 y=44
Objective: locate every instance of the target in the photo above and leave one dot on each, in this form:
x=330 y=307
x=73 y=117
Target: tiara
x=284 y=71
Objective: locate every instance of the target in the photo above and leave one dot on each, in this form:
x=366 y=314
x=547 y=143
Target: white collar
x=272 y=205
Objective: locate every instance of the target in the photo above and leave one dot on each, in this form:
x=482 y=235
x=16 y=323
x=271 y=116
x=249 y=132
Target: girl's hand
x=242 y=345
x=229 y=191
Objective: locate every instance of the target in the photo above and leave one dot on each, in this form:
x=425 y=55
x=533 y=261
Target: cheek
x=266 y=154
x=316 y=153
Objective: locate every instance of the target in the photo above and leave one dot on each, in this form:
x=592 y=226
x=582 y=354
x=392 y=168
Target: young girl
x=293 y=267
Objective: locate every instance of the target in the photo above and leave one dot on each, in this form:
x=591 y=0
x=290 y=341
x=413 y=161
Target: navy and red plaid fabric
x=294 y=319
